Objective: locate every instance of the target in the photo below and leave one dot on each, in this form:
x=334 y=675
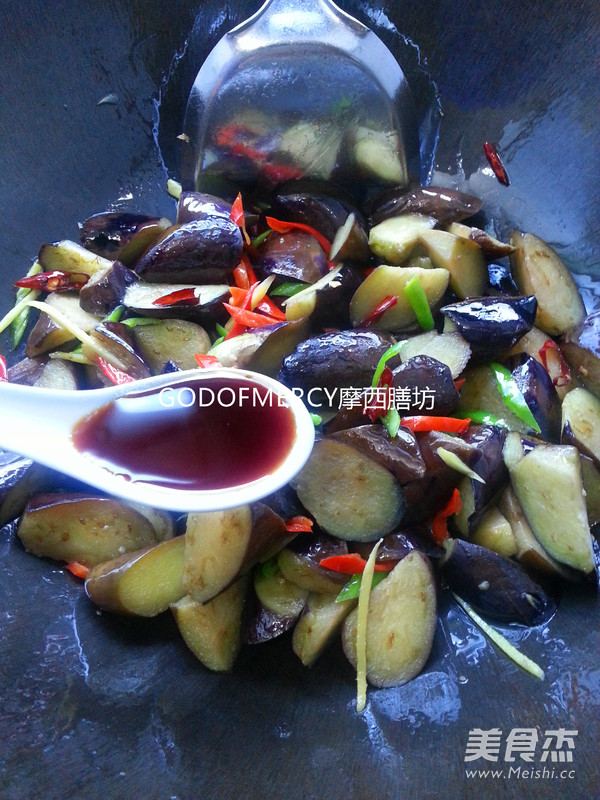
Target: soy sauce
x=198 y=435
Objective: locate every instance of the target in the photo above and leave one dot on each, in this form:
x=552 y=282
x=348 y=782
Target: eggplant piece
x=445 y=205
x=424 y=385
x=213 y=630
x=175 y=340
x=27 y=371
x=463 y=258
x=581 y=423
x=538 y=392
x=394 y=239
x=426 y=496
x=400 y=455
x=144 y=584
x=501 y=281
x=401 y=623
x=350 y=495
x=491 y=247
x=106 y=289
x=17 y=481
x=548 y=484
x=396 y=546
x=323 y=365
x=494 y=585
x=111 y=233
x=322 y=212
x=495 y=533
x=265 y=625
x=590 y=474
x=278 y=594
x=70 y=257
x=48 y=335
x=581 y=348
x=200 y=205
x=327 y=305
x=480 y=393
x=387 y=281
x=296 y=255
x=350 y=242
x=115 y=338
x=140 y=298
x=202 y=251
x=449 y=348
x=83 y=528
x=538 y=269
x=299 y=563
x=280 y=342
x=488 y=440
x=492 y=325
x=320 y=621
x=221 y=546
x=532 y=343
x=59 y=375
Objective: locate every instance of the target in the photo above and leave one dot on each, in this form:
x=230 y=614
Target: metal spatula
x=300 y=90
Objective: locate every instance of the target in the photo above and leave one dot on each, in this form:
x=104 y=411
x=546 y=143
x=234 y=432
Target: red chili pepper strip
x=353 y=564
x=286 y=227
x=299 y=525
x=237 y=216
x=439 y=524
x=243 y=274
x=204 y=360
x=491 y=153
x=382 y=401
x=114 y=375
x=182 y=297
x=445 y=424
x=267 y=306
x=55 y=281
x=388 y=302
x=77 y=569
x=3 y=370
x=564 y=378
x=459 y=383
x=249 y=318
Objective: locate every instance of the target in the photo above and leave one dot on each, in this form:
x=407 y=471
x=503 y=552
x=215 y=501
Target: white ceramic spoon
x=38 y=423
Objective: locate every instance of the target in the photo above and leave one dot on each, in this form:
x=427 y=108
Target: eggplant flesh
x=494 y=585
x=538 y=392
x=492 y=325
x=581 y=348
x=488 y=441
x=401 y=455
x=105 y=289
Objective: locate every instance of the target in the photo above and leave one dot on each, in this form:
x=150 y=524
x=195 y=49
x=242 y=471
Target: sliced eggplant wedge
x=548 y=485
x=139 y=298
x=221 y=546
x=144 y=584
x=581 y=347
x=449 y=348
x=83 y=528
x=296 y=255
x=299 y=563
x=175 y=340
x=463 y=258
x=539 y=393
x=278 y=594
x=480 y=393
x=202 y=251
x=350 y=495
x=495 y=533
x=445 y=205
x=395 y=238
x=534 y=343
x=390 y=281
x=400 y=624
x=494 y=585
x=57 y=374
x=200 y=205
x=581 y=422
x=70 y=257
x=324 y=213
x=424 y=385
x=106 y=289
x=213 y=630
x=400 y=455
x=47 y=335
x=538 y=269
x=264 y=625
x=317 y=627
x=27 y=371
x=491 y=247
x=116 y=341
x=492 y=325
x=350 y=242
x=109 y=233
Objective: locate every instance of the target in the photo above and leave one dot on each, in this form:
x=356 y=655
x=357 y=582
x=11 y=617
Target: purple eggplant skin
x=332 y=304
x=107 y=233
x=400 y=455
x=501 y=281
x=581 y=348
x=423 y=385
x=323 y=213
x=539 y=393
x=202 y=251
x=115 y=336
x=322 y=365
x=264 y=625
x=395 y=546
x=200 y=205
x=494 y=585
x=492 y=325
x=296 y=255
x=105 y=290
x=445 y=205
x=27 y=371
x=489 y=465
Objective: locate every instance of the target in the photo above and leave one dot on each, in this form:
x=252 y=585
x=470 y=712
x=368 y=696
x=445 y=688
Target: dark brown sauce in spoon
x=198 y=435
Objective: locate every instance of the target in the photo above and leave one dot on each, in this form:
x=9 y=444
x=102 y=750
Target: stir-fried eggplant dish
x=454 y=381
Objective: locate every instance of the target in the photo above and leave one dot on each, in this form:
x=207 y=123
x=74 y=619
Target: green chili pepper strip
x=391 y=422
x=19 y=323
x=512 y=397
x=389 y=353
x=352 y=588
x=415 y=294
x=261 y=237
x=288 y=289
x=140 y=322
x=316 y=419
x=115 y=315
x=483 y=418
